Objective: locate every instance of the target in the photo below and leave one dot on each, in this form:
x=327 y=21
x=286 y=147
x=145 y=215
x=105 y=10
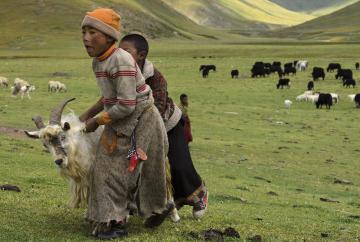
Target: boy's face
x=128 y=46
x=95 y=42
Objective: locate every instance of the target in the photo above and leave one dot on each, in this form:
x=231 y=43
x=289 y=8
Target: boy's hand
x=91 y=125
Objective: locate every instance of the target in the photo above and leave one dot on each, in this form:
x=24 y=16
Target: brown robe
x=112 y=187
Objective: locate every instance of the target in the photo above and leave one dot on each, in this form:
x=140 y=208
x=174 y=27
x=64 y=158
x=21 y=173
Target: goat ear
x=66 y=126
x=33 y=134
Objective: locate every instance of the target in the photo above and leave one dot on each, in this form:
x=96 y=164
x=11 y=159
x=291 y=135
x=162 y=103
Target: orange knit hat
x=105 y=20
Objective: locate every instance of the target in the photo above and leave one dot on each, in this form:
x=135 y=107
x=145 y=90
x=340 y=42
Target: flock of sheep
x=23 y=87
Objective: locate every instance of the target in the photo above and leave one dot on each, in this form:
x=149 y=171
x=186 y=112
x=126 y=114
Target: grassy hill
x=45 y=24
x=342 y=25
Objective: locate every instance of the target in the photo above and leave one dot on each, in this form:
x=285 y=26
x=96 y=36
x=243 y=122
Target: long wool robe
x=112 y=187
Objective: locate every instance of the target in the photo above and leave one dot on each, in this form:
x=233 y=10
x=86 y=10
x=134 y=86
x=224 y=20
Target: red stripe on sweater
x=123 y=73
x=141 y=88
x=119 y=101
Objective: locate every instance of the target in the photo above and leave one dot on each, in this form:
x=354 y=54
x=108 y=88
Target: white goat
x=301 y=65
x=4 y=82
x=73 y=150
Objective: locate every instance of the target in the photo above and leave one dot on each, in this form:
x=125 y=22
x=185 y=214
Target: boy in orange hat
x=130 y=159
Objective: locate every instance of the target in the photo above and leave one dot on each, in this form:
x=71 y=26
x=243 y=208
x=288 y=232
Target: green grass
x=307 y=152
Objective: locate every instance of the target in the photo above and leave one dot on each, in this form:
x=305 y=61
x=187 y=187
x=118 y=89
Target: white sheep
x=26 y=90
x=313 y=98
x=20 y=82
x=52 y=86
x=335 y=97
x=20 y=85
x=352 y=97
x=56 y=86
x=62 y=87
x=4 y=82
x=301 y=97
x=287 y=104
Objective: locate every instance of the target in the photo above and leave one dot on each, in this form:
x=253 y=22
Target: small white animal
x=4 y=81
x=352 y=97
x=287 y=104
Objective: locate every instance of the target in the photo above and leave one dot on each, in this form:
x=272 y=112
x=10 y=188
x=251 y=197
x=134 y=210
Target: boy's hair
x=182 y=96
x=139 y=41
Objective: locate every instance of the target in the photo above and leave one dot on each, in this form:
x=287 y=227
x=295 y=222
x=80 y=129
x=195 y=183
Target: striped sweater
x=125 y=94
x=121 y=83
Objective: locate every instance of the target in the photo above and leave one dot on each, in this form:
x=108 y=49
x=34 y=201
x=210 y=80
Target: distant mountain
x=237 y=13
x=342 y=25
x=310 y=5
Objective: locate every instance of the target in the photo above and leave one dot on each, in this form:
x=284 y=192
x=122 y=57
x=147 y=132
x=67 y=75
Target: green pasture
x=266 y=167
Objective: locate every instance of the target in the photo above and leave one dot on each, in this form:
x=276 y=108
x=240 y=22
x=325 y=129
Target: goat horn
x=38 y=121
x=55 y=116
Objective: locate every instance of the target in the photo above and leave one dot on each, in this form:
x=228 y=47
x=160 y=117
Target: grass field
x=244 y=157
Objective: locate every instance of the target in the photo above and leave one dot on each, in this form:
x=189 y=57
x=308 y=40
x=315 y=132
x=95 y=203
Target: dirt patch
x=12 y=132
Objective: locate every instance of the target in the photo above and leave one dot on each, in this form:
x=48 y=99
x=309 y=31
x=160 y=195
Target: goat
x=73 y=150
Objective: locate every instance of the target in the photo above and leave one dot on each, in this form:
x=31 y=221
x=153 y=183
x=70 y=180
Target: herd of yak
x=262 y=69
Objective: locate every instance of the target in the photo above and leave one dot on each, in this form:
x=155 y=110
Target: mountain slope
x=236 y=13
x=311 y=5
x=47 y=23
x=342 y=25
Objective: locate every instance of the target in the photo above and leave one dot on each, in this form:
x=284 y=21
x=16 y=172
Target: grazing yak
x=289 y=69
x=72 y=149
x=317 y=73
x=258 y=69
x=209 y=67
x=205 y=72
x=357 y=100
x=310 y=85
x=349 y=82
x=324 y=99
x=357 y=65
x=333 y=66
x=267 y=65
x=288 y=65
x=344 y=74
x=282 y=83
x=234 y=74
